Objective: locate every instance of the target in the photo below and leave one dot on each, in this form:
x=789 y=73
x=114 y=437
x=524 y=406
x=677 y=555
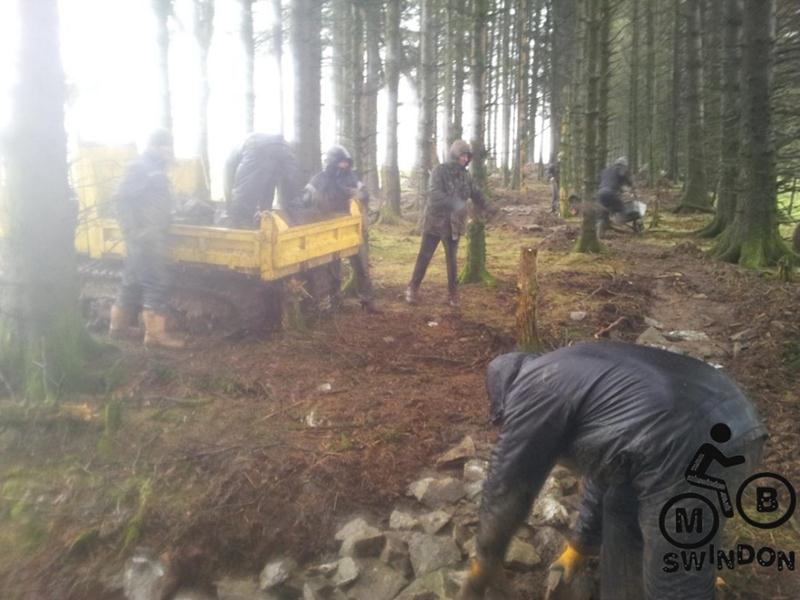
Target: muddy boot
x=412 y=294
x=452 y=300
x=155 y=333
x=120 y=324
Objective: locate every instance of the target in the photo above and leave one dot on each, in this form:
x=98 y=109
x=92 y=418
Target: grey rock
x=367 y=543
x=395 y=554
x=652 y=337
x=577 y=315
x=549 y=511
x=402 y=520
x=458 y=455
x=473 y=490
x=239 y=589
x=352 y=528
x=144 y=576
x=326 y=569
x=438 y=585
x=378 y=581
x=437 y=492
x=320 y=588
x=347 y=572
x=742 y=335
x=549 y=543
x=462 y=534
x=429 y=553
x=435 y=521
x=686 y=335
x=475 y=470
x=521 y=556
x=275 y=573
x=650 y=322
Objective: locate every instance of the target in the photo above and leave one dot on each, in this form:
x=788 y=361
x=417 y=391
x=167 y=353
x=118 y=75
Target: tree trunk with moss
x=730 y=121
x=44 y=342
x=752 y=239
x=474 y=270
x=695 y=196
x=587 y=241
x=528 y=289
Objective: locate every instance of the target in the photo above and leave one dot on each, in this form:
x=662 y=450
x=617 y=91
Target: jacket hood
x=500 y=376
x=335 y=155
x=458 y=148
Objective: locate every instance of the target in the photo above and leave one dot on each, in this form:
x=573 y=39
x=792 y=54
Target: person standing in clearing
x=449 y=189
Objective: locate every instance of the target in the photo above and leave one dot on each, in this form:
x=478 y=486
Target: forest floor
x=235 y=452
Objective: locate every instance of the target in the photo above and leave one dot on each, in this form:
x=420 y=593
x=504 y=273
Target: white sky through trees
x=110 y=60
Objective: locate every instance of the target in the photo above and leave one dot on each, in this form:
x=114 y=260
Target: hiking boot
x=452 y=300
x=412 y=295
x=120 y=324
x=155 y=333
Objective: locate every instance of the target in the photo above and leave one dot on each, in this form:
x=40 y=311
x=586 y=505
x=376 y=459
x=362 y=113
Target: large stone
x=549 y=511
x=433 y=522
x=438 y=585
x=395 y=554
x=437 y=492
x=347 y=572
x=652 y=337
x=275 y=573
x=365 y=544
x=402 y=520
x=458 y=455
x=352 y=528
x=475 y=470
x=429 y=553
x=144 y=576
x=521 y=556
x=549 y=543
x=377 y=581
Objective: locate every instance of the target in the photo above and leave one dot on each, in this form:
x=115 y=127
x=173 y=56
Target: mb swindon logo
x=690 y=521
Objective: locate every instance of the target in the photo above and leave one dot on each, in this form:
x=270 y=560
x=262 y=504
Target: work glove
x=481 y=575
x=569 y=562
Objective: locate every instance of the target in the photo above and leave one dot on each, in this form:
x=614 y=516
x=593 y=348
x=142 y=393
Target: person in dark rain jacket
x=449 y=189
x=631 y=419
x=144 y=204
x=252 y=174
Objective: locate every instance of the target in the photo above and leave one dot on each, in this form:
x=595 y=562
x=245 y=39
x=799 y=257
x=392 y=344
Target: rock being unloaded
x=434 y=521
x=475 y=470
x=402 y=520
x=521 y=556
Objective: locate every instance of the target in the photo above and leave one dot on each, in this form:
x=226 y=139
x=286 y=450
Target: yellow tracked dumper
x=227 y=279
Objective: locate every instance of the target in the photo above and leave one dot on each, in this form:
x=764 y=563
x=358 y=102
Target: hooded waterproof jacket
x=619 y=413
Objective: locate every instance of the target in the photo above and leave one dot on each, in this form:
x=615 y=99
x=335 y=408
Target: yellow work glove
x=569 y=562
x=480 y=577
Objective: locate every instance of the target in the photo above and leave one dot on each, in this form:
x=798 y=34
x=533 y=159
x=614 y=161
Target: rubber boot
x=155 y=333
x=412 y=294
x=120 y=324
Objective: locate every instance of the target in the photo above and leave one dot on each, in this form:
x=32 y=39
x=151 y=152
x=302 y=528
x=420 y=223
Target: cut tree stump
x=528 y=286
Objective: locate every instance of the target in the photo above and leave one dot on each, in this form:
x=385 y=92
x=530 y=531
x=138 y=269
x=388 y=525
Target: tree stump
x=528 y=286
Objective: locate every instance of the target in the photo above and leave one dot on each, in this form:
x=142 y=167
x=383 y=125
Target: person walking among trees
x=631 y=419
x=449 y=189
x=554 y=176
x=144 y=206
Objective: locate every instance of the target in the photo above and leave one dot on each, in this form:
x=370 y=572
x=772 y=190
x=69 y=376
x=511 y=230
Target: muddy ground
x=232 y=452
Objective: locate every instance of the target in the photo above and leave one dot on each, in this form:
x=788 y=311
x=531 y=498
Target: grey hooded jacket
x=621 y=413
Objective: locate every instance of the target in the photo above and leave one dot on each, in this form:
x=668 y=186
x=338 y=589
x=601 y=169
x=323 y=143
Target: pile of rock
x=423 y=551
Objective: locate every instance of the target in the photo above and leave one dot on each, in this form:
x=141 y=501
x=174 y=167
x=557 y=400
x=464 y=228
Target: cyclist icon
x=705 y=456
